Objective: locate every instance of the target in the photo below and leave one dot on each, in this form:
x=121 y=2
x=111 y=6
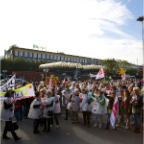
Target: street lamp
x=45 y=70
x=141 y=19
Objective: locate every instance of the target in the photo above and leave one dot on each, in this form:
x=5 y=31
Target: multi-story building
x=37 y=55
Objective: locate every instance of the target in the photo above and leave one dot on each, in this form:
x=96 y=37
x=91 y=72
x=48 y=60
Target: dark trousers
x=36 y=124
x=86 y=117
x=56 y=119
x=18 y=113
x=9 y=125
x=108 y=120
x=26 y=110
x=136 y=120
x=66 y=113
x=49 y=121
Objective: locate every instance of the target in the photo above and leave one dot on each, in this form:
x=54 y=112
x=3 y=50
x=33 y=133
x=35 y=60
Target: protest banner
x=21 y=93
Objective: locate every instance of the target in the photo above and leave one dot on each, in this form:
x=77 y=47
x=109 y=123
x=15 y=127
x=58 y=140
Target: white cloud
x=75 y=27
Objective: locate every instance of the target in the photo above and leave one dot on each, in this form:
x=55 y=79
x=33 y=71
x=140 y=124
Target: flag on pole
x=115 y=112
x=68 y=79
x=100 y=74
x=123 y=76
x=10 y=84
x=50 y=83
x=64 y=81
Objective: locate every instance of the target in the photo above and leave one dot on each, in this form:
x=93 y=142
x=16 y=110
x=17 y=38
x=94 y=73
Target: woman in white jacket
x=6 y=111
x=35 y=112
x=48 y=110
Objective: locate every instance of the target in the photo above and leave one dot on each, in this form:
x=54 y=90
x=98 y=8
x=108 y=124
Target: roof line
x=50 y=52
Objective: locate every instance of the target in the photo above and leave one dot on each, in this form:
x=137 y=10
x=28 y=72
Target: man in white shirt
x=90 y=85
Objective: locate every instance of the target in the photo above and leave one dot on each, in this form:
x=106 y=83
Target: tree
x=20 y=64
x=124 y=64
x=110 y=65
x=132 y=71
x=13 y=46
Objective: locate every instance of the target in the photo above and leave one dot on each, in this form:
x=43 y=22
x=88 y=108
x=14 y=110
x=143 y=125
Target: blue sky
x=92 y=28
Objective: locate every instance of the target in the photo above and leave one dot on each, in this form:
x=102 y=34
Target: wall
x=29 y=76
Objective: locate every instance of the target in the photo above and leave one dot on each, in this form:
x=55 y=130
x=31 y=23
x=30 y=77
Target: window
x=35 y=55
x=77 y=60
x=72 y=59
x=30 y=55
x=58 y=58
x=43 y=56
x=55 y=57
x=51 y=57
x=39 y=56
x=16 y=53
x=26 y=54
x=21 y=54
x=65 y=58
x=68 y=59
x=47 y=56
x=62 y=58
x=83 y=60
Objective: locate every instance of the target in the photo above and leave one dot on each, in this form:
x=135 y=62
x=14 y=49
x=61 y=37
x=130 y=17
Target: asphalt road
x=69 y=133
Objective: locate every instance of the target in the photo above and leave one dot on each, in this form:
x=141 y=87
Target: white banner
x=115 y=112
x=93 y=75
x=100 y=74
x=9 y=84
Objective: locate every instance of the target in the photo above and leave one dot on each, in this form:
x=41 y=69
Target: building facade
x=36 y=55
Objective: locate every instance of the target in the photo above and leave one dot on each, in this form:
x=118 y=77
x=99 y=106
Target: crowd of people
x=91 y=97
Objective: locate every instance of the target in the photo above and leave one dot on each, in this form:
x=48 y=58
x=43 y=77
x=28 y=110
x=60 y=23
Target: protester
x=7 y=115
x=110 y=106
x=136 y=102
x=36 y=112
x=48 y=110
x=75 y=105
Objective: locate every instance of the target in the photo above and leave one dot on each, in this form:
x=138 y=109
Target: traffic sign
x=140 y=69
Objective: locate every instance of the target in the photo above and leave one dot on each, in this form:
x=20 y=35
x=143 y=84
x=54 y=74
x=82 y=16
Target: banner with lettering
x=21 y=93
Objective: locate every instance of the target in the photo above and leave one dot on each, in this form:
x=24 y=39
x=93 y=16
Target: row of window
x=54 y=57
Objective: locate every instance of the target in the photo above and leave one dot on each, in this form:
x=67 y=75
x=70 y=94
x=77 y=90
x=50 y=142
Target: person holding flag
x=99 y=107
x=110 y=106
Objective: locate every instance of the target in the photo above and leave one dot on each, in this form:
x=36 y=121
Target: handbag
x=15 y=126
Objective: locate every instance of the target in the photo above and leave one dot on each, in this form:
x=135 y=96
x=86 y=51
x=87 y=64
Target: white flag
x=50 y=83
x=100 y=74
x=64 y=81
x=115 y=112
x=123 y=76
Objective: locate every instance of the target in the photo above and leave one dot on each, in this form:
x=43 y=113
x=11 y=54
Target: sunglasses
x=112 y=93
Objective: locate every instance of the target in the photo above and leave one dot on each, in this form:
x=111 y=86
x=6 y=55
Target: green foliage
x=111 y=65
x=20 y=64
x=132 y=71
x=13 y=46
x=124 y=65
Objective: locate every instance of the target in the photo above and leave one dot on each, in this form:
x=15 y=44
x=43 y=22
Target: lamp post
x=141 y=19
x=4 y=71
x=45 y=70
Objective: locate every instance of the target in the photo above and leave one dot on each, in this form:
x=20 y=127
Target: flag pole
x=104 y=73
